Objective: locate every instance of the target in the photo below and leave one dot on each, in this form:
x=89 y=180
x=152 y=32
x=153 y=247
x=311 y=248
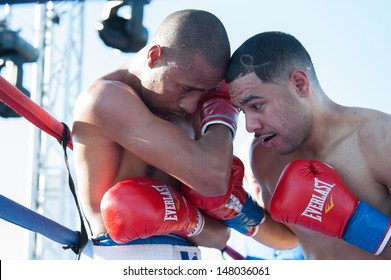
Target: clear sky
x=349 y=42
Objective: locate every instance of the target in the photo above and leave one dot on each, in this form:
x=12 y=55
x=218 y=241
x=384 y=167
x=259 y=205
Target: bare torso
x=111 y=164
x=359 y=150
x=100 y=161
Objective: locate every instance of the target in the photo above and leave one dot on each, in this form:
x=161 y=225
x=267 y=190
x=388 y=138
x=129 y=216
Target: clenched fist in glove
x=216 y=108
x=142 y=207
x=312 y=194
x=236 y=209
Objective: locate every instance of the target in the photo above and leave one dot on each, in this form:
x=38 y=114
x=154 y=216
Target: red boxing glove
x=312 y=194
x=236 y=208
x=216 y=108
x=141 y=207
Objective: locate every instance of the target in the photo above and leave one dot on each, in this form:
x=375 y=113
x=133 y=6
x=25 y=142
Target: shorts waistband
x=104 y=239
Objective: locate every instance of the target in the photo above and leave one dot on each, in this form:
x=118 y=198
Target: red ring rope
x=28 y=109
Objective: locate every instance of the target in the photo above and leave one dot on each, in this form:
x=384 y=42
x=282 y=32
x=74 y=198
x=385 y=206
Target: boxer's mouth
x=265 y=137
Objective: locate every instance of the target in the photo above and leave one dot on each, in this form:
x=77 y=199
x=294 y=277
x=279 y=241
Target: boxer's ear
x=154 y=53
x=300 y=80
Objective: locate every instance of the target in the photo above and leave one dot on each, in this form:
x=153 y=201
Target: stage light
x=14 y=52
x=126 y=34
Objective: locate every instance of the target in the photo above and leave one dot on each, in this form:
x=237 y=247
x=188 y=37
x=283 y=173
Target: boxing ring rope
x=32 y=112
x=20 y=215
x=28 y=219
x=235 y=255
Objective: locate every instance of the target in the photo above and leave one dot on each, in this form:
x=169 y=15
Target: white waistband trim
x=141 y=252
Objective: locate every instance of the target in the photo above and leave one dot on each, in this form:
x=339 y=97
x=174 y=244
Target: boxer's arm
x=114 y=112
x=214 y=234
x=376 y=148
x=236 y=208
x=275 y=235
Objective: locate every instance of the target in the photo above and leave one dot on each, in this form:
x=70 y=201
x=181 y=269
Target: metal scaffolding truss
x=57 y=81
x=58 y=35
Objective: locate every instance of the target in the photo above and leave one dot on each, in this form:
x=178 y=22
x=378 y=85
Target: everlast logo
x=317 y=202
x=170 y=209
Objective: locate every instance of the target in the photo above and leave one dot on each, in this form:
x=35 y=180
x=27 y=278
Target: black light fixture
x=14 y=52
x=124 y=34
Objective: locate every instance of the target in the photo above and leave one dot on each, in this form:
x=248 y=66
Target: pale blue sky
x=349 y=42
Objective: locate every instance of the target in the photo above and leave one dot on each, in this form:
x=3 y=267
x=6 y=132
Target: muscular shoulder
x=373 y=131
x=104 y=90
x=374 y=145
x=375 y=128
x=374 y=140
x=106 y=111
x=106 y=98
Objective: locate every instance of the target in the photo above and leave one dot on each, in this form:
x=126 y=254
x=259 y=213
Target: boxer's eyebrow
x=211 y=89
x=202 y=90
x=249 y=98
